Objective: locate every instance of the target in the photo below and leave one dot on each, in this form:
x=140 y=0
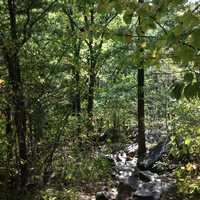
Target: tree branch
x=28 y=26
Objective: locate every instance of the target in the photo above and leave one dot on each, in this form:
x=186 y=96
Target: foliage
x=53 y=194
x=188 y=180
x=185 y=131
x=68 y=74
x=88 y=170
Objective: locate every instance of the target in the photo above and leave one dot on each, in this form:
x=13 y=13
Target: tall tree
x=140 y=77
x=20 y=18
x=13 y=64
x=91 y=26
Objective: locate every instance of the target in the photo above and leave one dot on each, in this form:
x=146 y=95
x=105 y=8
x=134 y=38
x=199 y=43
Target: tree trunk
x=91 y=86
x=76 y=73
x=9 y=134
x=141 y=124
x=92 y=71
x=19 y=116
x=77 y=95
x=14 y=72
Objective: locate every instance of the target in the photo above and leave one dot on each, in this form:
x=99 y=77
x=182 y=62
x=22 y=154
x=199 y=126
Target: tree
x=90 y=27
x=141 y=124
x=13 y=37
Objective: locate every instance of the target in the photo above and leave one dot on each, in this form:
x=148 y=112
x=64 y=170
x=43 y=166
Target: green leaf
x=128 y=17
x=171 y=38
x=191 y=90
x=196 y=86
x=118 y=6
x=188 y=140
x=122 y=34
x=178 y=30
x=188 y=77
x=196 y=38
x=184 y=53
x=147 y=23
x=104 y=6
x=177 y=90
x=189 y=19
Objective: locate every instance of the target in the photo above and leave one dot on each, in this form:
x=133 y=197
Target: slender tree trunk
x=78 y=96
x=141 y=123
x=77 y=99
x=9 y=134
x=91 y=86
x=76 y=72
x=92 y=72
x=91 y=90
x=14 y=72
x=19 y=117
x=76 y=109
x=32 y=138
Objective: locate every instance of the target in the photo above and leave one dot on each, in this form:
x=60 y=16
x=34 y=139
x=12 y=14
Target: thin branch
x=25 y=27
x=189 y=45
x=29 y=25
x=160 y=25
x=196 y=8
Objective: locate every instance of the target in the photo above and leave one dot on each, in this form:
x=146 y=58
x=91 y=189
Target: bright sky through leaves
x=193 y=1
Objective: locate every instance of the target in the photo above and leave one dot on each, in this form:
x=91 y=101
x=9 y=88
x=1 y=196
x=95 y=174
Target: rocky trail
x=143 y=181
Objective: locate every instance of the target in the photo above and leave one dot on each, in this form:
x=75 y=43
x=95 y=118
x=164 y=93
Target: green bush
x=188 y=179
x=88 y=170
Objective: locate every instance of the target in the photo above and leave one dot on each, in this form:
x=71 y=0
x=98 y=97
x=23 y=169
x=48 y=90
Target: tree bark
x=78 y=96
x=141 y=124
x=91 y=86
x=9 y=133
x=14 y=73
x=92 y=72
x=141 y=116
x=76 y=73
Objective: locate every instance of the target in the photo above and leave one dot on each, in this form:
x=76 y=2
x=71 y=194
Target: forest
x=99 y=99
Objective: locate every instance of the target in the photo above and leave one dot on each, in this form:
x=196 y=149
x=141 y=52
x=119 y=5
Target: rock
x=147 y=176
x=150 y=190
x=127 y=187
x=143 y=198
x=121 y=157
x=155 y=189
x=154 y=155
x=125 y=192
x=137 y=181
x=142 y=185
x=103 y=195
x=131 y=150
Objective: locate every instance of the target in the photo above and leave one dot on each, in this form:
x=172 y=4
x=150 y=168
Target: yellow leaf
x=2 y=82
x=189 y=167
x=154 y=54
x=143 y=45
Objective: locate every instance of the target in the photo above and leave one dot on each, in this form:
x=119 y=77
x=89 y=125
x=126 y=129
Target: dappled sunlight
x=99 y=100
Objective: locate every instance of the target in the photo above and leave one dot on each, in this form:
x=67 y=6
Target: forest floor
x=125 y=161
x=126 y=173
x=161 y=184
